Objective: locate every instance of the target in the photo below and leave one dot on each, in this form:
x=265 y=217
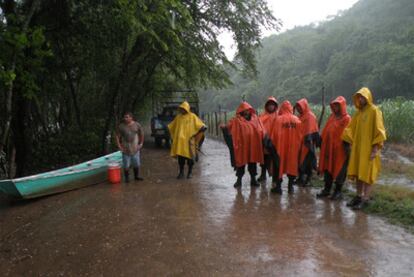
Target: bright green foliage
x=399 y=119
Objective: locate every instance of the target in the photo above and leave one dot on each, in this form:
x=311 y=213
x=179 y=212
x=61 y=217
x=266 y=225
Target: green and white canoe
x=68 y=178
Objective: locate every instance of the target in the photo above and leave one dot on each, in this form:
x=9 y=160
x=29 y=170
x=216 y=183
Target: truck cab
x=164 y=109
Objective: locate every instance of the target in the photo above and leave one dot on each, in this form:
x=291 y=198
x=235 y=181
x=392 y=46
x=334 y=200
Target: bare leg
x=367 y=191
x=359 y=187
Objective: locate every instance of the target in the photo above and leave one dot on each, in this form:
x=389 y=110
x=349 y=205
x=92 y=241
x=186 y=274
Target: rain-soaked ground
x=201 y=226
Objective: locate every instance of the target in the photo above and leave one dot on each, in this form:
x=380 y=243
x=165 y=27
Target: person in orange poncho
x=286 y=137
x=333 y=159
x=244 y=136
x=366 y=134
x=311 y=138
x=186 y=132
x=267 y=119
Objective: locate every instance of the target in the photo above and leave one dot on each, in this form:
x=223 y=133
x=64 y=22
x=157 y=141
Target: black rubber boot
x=181 y=173
x=238 y=183
x=300 y=181
x=290 y=186
x=337 y=194
x=126 y=176
x=360 y=205
x=190 y=172
x=253 y=181
x=278 y=188
x=263 y=175
x=326 y=190
x=136 y=174
x=355 y=201
x=308 y=180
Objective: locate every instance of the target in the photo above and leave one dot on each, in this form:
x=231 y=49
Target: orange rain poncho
x=247 y=137
x=267 y=118
x=309 y=126
x=333 y=155
x=183 y=129
x=286 y=137
x=365 y=130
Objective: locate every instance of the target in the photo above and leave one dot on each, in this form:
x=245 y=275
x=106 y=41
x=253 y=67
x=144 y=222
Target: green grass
x=394 y=203
x=399 y=119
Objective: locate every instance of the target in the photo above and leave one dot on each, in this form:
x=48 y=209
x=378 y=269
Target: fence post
x=208 y=123
x=216 y=124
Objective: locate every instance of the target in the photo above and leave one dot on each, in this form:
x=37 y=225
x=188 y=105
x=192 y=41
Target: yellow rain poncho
x=365 y=130
x=183 y=129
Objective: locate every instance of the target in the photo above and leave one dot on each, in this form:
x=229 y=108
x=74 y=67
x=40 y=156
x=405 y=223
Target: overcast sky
x=296 y=13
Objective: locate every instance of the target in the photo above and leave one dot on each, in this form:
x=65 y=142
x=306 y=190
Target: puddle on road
x=401 y=180
x=200 y=226
x=315 y=236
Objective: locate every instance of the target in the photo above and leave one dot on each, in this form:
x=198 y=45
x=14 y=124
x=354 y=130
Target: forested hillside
x=371 y=44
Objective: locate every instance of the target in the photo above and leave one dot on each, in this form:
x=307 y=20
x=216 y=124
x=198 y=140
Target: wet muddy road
x=201 y=226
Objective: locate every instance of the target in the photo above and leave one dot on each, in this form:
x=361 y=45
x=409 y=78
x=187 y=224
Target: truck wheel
x=158 y=142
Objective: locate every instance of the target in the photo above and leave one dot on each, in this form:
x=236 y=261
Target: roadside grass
x=394 y=203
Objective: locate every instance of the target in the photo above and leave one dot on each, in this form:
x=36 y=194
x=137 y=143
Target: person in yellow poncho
x=366 y=134
x=186 y=131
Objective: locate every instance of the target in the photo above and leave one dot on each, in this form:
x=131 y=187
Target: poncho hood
x=245 y=106
x=366 y=93
x=342 y=104
x=285 y=108
x=185 y=106
x=304 y=105
x=271 y=99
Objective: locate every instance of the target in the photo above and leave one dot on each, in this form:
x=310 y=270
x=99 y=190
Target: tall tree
x=72 y=67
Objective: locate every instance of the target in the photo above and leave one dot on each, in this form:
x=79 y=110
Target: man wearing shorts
x=130 y=139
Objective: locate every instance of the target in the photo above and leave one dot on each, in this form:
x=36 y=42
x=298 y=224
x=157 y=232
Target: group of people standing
x=283 y=143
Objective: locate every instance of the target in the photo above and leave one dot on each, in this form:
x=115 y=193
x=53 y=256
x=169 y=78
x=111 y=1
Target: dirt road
x=201 y=227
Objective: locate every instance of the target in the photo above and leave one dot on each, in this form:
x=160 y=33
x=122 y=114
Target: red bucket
x=114 y=173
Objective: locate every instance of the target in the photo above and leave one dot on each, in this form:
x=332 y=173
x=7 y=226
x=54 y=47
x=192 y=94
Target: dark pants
x=276 y=166
x=340 y=179
x=251 y=167
x=266 y=166
x=306 y=168
x=182 y=160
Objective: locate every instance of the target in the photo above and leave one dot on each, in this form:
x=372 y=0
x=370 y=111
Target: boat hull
x=69 y=178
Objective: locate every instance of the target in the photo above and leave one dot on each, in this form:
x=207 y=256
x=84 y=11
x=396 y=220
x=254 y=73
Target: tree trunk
x=112 y=100
x=9 y=9
x=72 y=86
x=19 y=136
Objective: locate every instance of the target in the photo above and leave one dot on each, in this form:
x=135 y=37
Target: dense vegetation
x=69 y=68
x=371 y=44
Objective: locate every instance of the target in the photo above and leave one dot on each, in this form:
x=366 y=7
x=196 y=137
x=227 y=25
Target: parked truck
x=165 y=107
